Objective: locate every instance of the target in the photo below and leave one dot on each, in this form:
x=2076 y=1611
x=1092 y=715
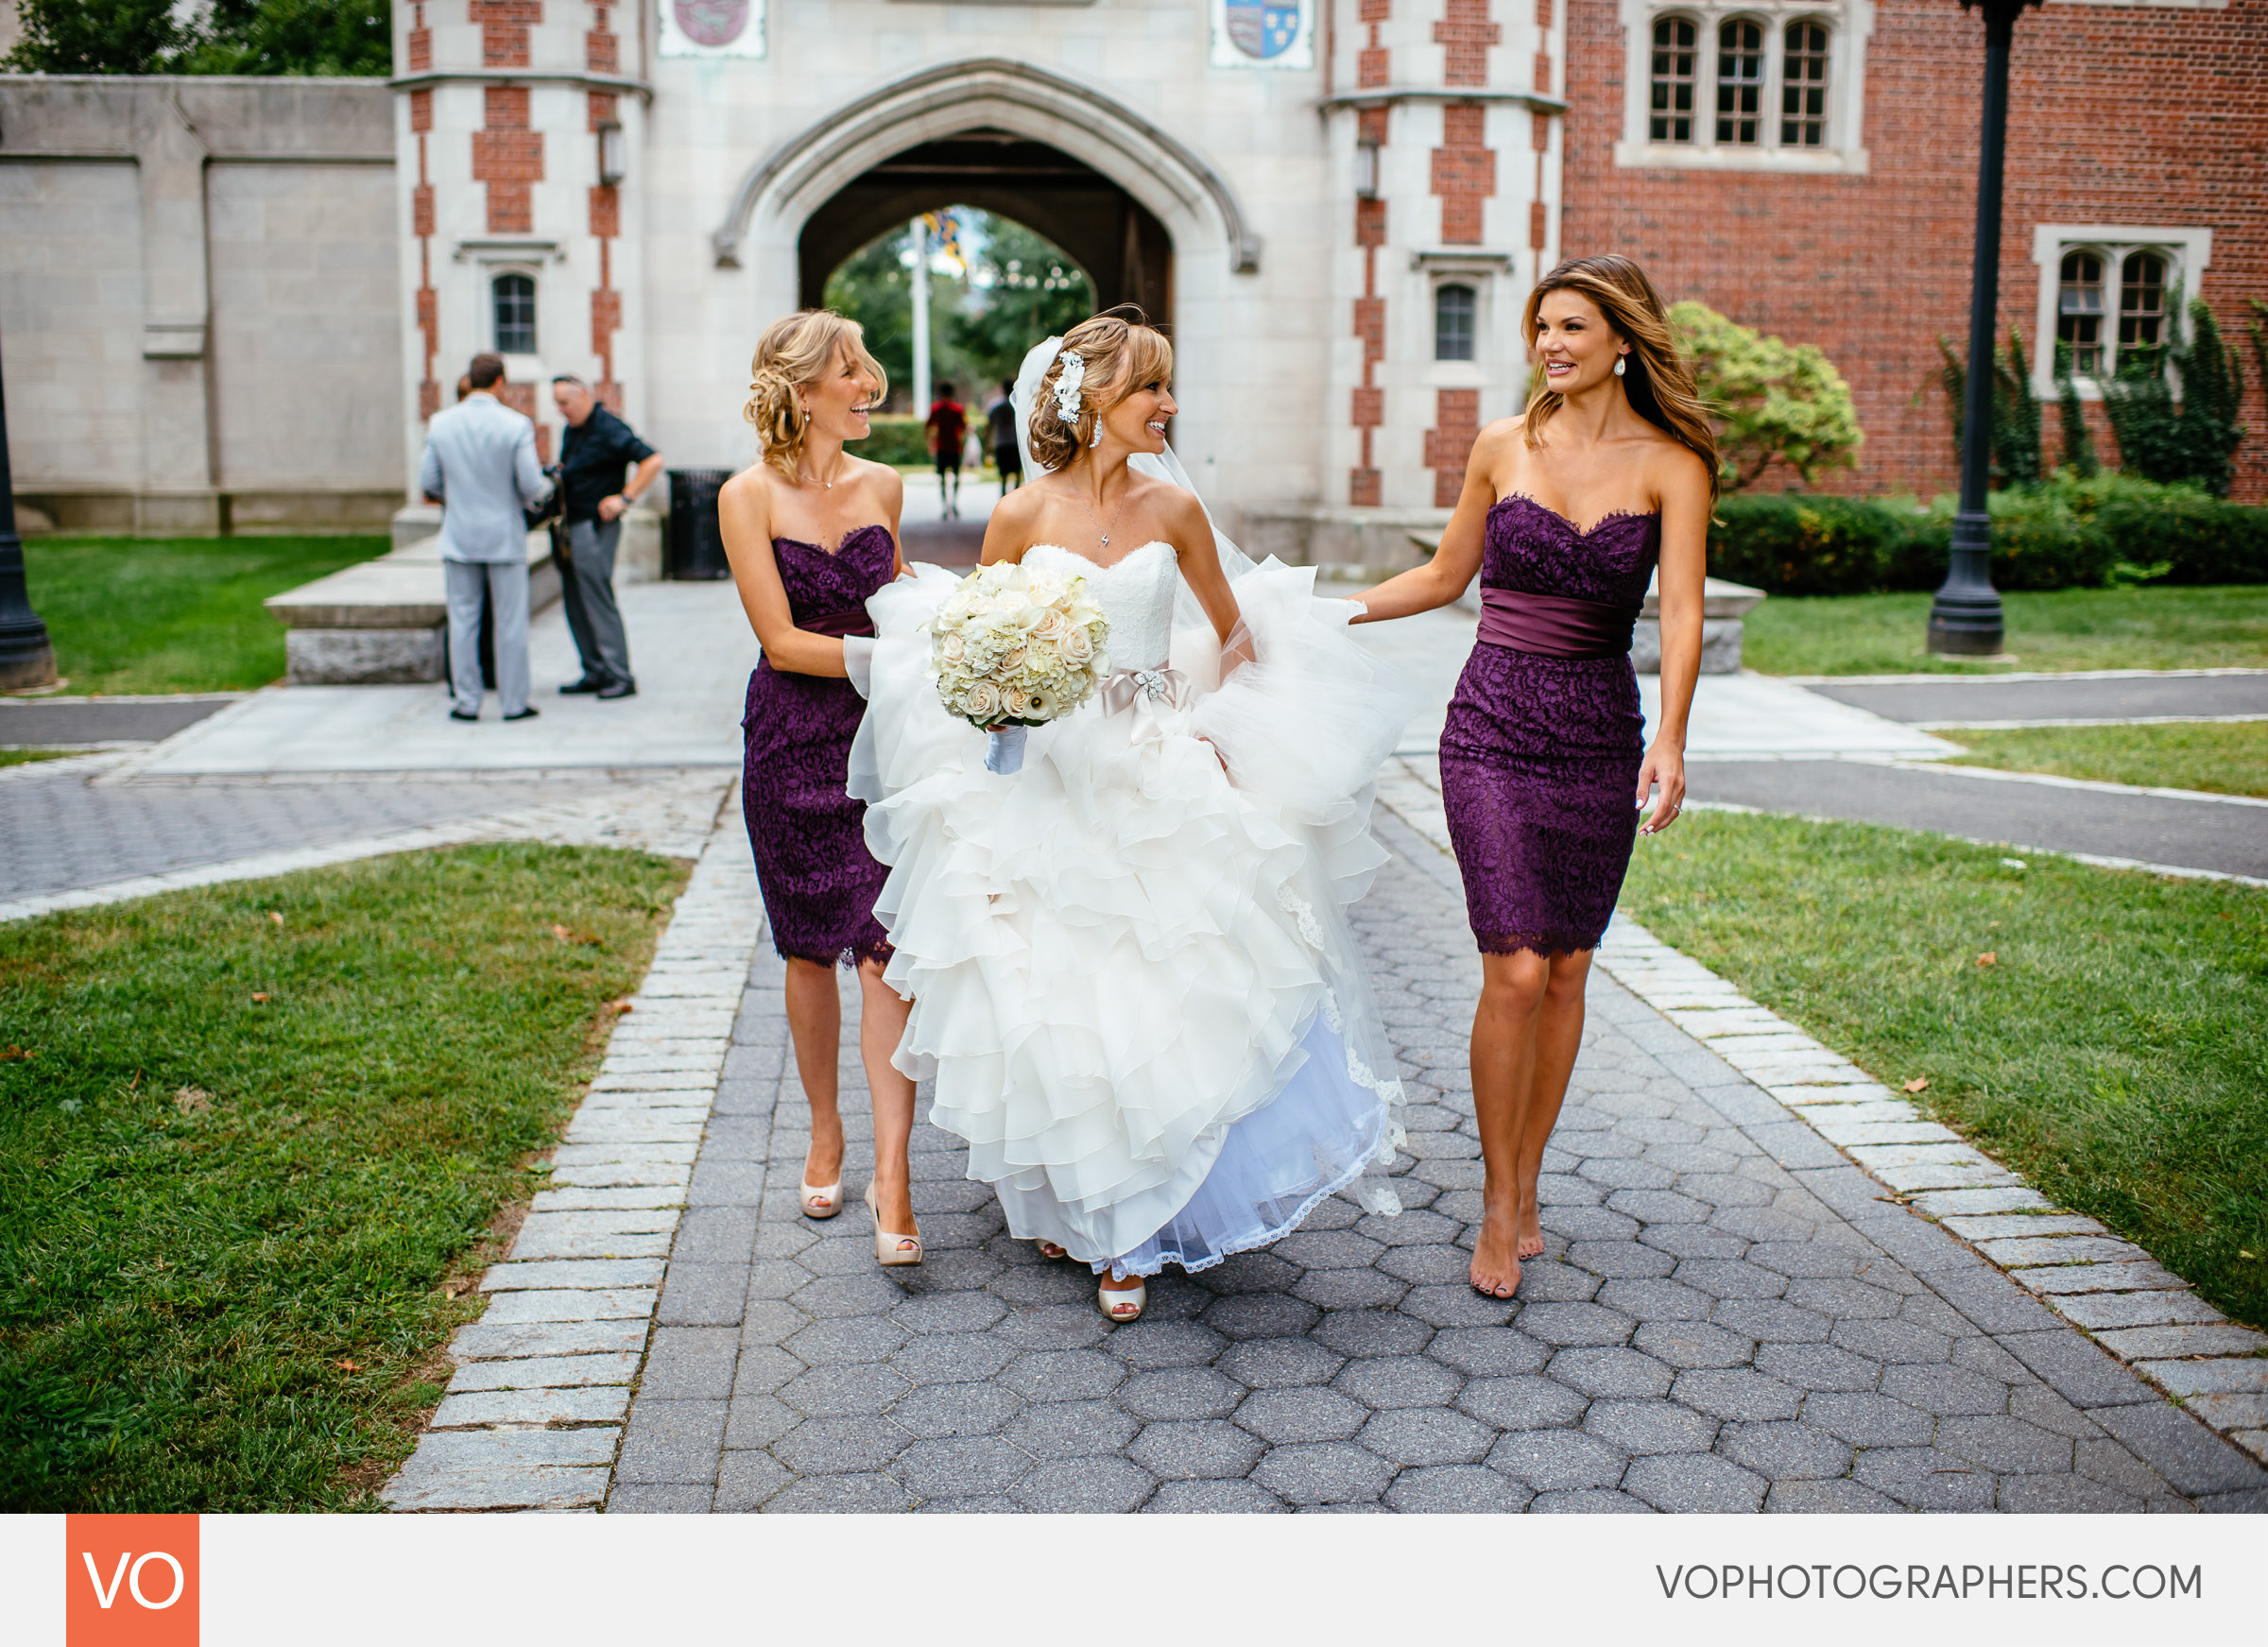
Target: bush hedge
x=2069 y=532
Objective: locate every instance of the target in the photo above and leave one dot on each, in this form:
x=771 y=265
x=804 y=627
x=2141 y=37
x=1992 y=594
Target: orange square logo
x=130 y=1581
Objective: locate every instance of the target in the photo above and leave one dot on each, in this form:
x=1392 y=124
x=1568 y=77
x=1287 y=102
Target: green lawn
x=2115 y=1051
x=2226 y=757
x=2069 y=628
x=23 y=757
x=241 y=1155
x=174 y=615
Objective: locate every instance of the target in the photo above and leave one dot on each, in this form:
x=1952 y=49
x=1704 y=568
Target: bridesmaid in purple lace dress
x=1567 y=509
x=811 y=532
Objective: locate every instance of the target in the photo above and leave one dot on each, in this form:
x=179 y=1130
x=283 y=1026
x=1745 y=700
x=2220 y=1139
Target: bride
x=1132 y=978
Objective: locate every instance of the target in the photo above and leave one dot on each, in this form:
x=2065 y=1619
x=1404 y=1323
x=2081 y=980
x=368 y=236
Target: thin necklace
x=1106 y=531
x=841 y=463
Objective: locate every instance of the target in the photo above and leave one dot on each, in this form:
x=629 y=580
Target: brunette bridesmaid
x=811 y=532
x=1567 y=509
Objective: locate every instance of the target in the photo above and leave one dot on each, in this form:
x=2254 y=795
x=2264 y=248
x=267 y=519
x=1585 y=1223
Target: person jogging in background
x=948 y=433
x=1006 y=455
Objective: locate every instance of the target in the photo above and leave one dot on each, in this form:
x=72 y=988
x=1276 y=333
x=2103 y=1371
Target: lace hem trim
x=852 y=956
x=1544 y=944
x=1275 y=1233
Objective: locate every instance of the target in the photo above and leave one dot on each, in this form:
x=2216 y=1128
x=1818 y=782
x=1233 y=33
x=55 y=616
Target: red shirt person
x=948 y=433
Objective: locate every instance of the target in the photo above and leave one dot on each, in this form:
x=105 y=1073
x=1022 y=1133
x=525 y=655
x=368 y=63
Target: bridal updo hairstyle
x=1121 y=355
x=795 y=352
x=1655 y=377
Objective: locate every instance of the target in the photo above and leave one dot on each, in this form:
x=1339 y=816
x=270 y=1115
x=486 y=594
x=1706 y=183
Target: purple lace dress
x=1541 y=753
x=809 y=837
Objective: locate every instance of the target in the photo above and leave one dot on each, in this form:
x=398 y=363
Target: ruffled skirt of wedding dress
x=1133 y=981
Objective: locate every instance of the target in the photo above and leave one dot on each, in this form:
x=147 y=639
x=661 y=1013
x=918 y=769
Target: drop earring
x=1098 y=436
x=1619 y=362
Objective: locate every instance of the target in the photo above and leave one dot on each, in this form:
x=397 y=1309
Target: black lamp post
x=27 y=656
x=1964 y=619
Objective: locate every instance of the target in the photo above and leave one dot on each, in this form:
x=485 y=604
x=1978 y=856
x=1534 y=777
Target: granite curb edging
x=2140 y=1314
x=534 y=1413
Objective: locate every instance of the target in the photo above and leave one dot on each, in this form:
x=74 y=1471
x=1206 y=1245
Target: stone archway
x=994 y=97
x=1127 y=253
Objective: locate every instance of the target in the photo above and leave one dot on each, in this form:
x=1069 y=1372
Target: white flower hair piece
x=1067 y=383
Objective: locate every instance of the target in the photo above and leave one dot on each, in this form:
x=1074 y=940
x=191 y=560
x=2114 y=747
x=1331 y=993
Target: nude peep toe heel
x=889 y=1248
x=1122 y=1303
x=822 y=1200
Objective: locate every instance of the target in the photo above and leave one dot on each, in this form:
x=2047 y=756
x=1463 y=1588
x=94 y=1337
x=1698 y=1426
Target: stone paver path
x=1730 y=1317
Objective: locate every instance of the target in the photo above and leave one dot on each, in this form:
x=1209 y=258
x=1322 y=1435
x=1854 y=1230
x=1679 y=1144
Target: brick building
x=1339 y=205
x=2137 y=164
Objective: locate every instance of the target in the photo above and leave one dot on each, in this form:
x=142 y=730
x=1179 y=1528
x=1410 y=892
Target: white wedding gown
x=1133 y=982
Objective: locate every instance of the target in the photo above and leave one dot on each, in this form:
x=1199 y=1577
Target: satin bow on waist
x=854 y=622
x=1149 y=694
x=1555 y=625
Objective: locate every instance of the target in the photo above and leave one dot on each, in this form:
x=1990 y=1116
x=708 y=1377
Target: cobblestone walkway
x=1730 y=1318
x=59 y=832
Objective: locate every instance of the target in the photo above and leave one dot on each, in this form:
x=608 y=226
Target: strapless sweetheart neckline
x=1606 y=519
x=1105 y=566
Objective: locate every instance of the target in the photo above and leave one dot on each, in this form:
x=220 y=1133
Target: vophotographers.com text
x=1914 y=1581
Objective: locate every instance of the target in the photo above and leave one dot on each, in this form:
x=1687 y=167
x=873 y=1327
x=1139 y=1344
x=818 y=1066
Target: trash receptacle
x=697 y=549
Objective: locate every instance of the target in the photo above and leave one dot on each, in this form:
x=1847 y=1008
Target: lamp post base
x=1965 y=618
x=27 y=661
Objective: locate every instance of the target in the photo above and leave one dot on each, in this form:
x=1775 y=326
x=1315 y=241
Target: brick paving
x=1730 y=1317
x=59 y=831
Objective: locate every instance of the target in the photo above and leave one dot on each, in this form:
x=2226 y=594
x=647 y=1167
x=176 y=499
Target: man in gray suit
x=480 y=466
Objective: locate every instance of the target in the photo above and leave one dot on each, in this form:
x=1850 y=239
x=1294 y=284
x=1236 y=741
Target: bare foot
x=1495 y=1262
x=1531 y=1232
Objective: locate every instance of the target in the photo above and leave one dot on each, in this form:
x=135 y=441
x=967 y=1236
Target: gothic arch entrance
x=1128 y=253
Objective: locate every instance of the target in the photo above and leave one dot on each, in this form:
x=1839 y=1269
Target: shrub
x=2192 y=439
x=901 y=442
x=2069 y=532
x=2015 y=412
x=1797 y=544
x=1774 y=401
x=2039 y=541
x=2181 y=534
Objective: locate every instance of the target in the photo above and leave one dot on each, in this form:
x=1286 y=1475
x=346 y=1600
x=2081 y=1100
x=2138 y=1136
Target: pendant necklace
x=1098 y=520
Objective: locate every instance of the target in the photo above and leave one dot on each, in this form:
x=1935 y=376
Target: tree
x=1018 y=289
x=2190 y=437
x=96 y=37
x=219 y=37
x=1021 y=289
x=1774 y=401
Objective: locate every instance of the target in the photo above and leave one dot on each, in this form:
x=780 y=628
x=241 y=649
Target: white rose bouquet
x=1011 y=649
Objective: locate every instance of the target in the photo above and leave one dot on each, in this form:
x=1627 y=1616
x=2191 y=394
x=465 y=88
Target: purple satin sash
x=855 y=621
x=1555 y=625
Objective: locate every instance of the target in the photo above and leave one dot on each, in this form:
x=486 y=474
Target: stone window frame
x=494 y=279
x=2188 y=251
x=1849 y=24
x=1488 y=274
x=1471 y=288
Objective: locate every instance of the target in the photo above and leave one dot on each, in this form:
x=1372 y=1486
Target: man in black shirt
x=598 y=448
x=1005 y=453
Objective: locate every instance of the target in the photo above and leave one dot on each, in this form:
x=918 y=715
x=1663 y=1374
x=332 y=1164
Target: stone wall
x=199 y=316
